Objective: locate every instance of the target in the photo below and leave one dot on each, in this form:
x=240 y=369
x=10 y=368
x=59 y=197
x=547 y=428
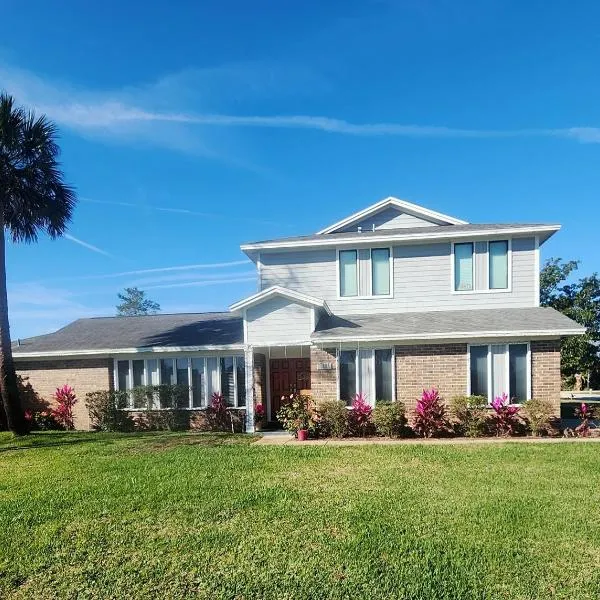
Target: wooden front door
x=288 y=375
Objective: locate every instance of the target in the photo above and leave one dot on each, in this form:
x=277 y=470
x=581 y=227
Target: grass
x=211 y=516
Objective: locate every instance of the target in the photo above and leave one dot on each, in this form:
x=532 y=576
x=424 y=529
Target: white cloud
x=91 y=247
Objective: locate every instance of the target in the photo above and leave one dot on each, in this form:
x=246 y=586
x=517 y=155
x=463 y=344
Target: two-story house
x=385 y=302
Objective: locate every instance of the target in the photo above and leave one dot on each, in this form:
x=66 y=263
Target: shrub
x=42 y=420
x=586 y=414
x=506 y=416
x=539 y=414
x=470 y=413
x=106 y=410
x=359 y=419
x=389 y=419
x=332 y=419
x=298 y=414
x=430 y=415
x=151 y=397
x=218 y=415
x=259 y=413
x=65 y=399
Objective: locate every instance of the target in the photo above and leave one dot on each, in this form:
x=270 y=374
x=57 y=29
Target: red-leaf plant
x=586 y=414
x=506 y=417
x=360 y=415
x=430 y=414
x=259 y=413
x=65 y=399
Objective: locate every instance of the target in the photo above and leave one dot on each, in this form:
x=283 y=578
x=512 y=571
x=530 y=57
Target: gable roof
x=403 y=205
x=409 y=234
x=522 y=323
x=104 y=335
x=277 y=290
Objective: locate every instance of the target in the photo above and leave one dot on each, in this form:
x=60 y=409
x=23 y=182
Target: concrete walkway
x=283 y=438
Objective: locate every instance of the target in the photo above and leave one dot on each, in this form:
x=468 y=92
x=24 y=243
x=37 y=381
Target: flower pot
x=302 y=435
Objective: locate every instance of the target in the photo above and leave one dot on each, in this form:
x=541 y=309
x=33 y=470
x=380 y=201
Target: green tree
x=134 y=302
x=34 y=199
x=579 y=300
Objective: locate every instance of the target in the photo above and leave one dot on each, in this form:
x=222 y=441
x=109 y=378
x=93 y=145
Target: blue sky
x=190 y=129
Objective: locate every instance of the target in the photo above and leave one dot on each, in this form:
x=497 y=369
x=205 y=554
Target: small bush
x=586 y=413
x=471 y=414
x=106 y=410
x=298 y=413
x=389 y=419
x=359 y=419
x=42 y=420
x=430 y=415
x=539 y=415
x=65 y=399
x=332 y=419
x=506 y=416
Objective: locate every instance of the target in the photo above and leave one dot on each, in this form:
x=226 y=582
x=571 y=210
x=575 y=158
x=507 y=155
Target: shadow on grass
x=151 y=440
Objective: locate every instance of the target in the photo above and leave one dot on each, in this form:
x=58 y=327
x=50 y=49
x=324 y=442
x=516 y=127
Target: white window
x=368 y=372
x=497 y=369
x=498 y=265
x=463 y=267
x=348 y=267
x=202 y=375
x=380 y=272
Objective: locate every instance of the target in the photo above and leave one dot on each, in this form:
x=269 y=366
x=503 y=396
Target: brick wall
x=259 y=382
x=83 y=375
x=443 y=366
x=323 y=382
x=545 y=371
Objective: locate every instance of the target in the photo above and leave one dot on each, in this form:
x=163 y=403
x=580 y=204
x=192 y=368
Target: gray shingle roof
x=418 y=325
x=474 y=228
x=195 y=329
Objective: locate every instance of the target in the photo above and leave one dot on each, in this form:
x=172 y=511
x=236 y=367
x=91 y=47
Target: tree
x=134 y=302
x=579 y=300
x=34 y=199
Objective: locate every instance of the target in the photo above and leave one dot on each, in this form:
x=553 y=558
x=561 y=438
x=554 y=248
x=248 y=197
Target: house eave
x=292 y=295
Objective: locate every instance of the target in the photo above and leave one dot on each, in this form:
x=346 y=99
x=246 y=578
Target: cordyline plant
x=259 y=413
x=430 y=414
x=359 y=418
x=586 y=414
x=506 y=417
x=65 y=399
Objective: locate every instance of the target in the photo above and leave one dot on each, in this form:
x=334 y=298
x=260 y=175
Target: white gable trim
x=279 y=291
x=413 y=209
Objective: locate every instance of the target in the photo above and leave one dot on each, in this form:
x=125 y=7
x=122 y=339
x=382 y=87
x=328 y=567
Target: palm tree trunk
x=15 y=418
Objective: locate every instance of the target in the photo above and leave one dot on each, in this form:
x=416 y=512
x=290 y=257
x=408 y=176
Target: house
x=386 y=302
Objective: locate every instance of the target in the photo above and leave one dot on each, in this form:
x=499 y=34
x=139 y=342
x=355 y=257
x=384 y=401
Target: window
x=366 y=371
x=498 y=265
x=463 y=267
x=380 y=271
x=201 y=375
x=348 y=260
x=498 y=369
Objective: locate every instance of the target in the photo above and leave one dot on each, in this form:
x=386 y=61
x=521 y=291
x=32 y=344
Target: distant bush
x=471 y=415
x=43 y=420
x=106 y=410
x=332 y=419
x=539 y=415
x=389 y=419
x=430 y=415
x=153 y=397
x=65 y=400
x=586 y=413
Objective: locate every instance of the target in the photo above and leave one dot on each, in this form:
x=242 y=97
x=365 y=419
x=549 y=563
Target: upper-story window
x=365 y=272
x=348 y=273
x=380 y=271
x=481 y=266
x=463 y=267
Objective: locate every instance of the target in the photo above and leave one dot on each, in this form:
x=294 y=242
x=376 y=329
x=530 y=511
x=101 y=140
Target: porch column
x=249 y=361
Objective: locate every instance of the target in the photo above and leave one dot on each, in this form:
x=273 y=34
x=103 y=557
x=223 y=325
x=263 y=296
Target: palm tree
x=33 y=199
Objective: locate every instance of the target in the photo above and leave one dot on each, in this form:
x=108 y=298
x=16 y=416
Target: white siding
x=422 y=279
x=388 y=218
x=278 y=320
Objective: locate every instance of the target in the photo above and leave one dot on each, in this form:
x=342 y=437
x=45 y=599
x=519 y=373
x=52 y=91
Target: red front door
x=288 y=375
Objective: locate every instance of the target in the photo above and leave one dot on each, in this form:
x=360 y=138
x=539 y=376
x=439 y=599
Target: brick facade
x=323 y=381
x=442 y=366
x=83 y=375
x=260 y=378
x=545 y=372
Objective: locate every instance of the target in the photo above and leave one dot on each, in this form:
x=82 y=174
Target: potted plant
x=297 y=416
x=259 y=417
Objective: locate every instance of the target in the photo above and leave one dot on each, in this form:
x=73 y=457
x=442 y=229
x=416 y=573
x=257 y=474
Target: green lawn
x=212 y=516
